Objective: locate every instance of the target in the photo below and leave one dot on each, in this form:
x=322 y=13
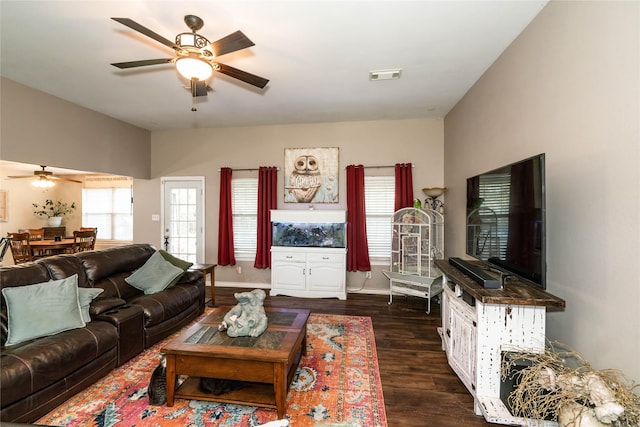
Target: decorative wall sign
x=311 y=175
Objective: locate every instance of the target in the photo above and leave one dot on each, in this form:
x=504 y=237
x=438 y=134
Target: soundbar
x=477 y=273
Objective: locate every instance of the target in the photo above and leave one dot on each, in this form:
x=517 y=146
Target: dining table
x=50 y=247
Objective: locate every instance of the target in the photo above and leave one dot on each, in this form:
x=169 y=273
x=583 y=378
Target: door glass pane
x=182 y=242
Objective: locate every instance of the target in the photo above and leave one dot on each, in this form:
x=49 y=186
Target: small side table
x=208 y=268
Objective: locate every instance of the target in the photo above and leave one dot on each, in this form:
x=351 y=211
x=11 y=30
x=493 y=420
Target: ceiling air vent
x=385 y=74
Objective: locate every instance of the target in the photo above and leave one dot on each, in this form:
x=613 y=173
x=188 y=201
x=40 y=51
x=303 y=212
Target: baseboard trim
x=368 y=291
x=243 y=285
x=223 y=284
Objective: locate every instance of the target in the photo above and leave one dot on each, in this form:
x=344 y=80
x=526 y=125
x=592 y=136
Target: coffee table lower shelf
x=254 y=394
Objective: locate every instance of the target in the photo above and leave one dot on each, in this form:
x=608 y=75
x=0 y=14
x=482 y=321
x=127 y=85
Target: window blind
x=244 y=194
x=110 y=210
x=379 y=192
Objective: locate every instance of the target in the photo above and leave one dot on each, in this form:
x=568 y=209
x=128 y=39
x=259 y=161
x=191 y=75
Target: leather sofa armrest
x=190 y=276
x=102 y=305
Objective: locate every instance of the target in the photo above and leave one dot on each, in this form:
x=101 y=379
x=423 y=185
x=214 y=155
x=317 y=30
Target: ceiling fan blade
x=60 y=178
x=252 y=79
x=198 y=88
x=45 y=177
x=231 y=43
x=142 y=63
x=147 y=32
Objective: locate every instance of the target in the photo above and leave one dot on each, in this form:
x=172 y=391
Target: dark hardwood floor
x=419 y=387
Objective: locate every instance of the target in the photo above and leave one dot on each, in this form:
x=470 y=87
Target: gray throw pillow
x=85 y=296
x=180 y=263
x=155 y=275
x=42 y=309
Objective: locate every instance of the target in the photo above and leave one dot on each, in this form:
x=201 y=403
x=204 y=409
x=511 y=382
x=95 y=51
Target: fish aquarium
x=319 y=229
x=322 y=235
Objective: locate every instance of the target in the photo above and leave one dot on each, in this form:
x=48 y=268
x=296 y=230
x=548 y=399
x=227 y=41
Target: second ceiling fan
x=196 y=57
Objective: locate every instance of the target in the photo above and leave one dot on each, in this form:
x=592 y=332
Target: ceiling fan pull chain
x=193 y=104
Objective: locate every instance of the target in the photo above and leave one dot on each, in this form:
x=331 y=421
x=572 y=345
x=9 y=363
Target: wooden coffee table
x=268 y=362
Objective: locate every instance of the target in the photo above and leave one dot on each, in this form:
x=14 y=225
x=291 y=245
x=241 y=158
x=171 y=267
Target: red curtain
x=226 y=254
x=404 y=186
x=267 y=200
x=357 y=245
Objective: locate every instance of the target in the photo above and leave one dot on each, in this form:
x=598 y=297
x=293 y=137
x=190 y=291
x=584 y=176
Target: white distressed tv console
x=478 y=324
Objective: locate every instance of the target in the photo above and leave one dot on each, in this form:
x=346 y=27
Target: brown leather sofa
x=40 y=374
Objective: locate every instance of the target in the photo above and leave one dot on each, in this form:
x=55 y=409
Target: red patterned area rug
x=337 y=383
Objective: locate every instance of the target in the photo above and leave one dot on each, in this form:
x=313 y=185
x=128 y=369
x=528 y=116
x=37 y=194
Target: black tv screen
x=506 y=219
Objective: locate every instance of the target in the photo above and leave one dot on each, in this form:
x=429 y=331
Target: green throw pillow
x=85 y=296
x=180 y=263
x=42 y=309
x=155 y=275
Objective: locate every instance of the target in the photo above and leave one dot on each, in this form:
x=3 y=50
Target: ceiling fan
x=196 y=57
x=45 y=178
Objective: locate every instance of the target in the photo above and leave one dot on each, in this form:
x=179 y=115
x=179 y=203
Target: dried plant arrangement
x=561 y=385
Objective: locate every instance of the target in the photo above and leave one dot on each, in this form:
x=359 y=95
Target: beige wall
x=42 y=129
x=203 y=152
x=569 y=87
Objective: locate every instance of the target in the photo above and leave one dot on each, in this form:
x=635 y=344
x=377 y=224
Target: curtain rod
x=384 y=166
x=366 y=167
x=245 y=169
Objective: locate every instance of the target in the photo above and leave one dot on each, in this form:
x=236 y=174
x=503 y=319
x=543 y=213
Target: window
x=379 y=195
x=244 y=195
x=110 y=209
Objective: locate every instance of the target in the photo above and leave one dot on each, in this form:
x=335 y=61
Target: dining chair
x=94 y=229
x=20 y=248
x=36 y=234
x=84 y=240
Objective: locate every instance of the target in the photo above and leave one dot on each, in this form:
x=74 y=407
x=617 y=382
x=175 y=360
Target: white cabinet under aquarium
x=308 y=253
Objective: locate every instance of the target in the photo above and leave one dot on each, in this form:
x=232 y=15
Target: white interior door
x=183 y=214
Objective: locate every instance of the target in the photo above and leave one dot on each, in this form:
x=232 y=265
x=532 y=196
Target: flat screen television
x=506 y=219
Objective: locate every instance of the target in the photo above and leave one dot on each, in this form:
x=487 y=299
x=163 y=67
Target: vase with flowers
x=54 y=211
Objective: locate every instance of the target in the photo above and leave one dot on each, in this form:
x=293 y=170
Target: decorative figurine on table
x=248 y=318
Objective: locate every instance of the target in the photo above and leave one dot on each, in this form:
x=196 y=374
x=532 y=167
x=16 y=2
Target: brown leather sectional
x=40 y=374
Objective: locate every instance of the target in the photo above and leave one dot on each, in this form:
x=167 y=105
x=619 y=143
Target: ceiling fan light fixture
x=192 y=40
x=43 y=182
x=191 y=68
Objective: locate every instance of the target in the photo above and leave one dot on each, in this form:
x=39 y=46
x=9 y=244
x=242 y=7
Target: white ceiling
x=317 y=55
